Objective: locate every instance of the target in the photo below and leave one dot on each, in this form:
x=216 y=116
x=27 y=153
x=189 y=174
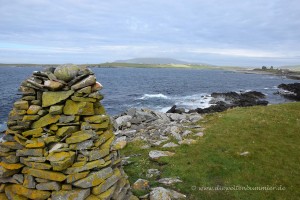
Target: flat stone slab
x=155 y=154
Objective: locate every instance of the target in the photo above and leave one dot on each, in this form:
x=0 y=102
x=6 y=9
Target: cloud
x=119 y=29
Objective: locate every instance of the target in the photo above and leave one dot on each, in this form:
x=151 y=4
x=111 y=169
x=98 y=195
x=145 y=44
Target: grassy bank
x=270 y=135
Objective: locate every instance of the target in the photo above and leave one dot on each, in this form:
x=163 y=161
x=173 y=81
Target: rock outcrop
x=59 y=141
x=223 y=101
x=290 y=91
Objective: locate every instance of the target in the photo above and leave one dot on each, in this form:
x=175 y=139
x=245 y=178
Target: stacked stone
x=58 y=144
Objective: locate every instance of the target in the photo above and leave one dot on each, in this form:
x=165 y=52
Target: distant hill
x=152 y=61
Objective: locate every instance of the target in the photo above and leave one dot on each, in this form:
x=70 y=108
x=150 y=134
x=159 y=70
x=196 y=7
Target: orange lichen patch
x=35 y=145
x=30 y=193
x=11 y=166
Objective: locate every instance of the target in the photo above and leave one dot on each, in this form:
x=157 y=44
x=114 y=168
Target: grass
x=270 y=135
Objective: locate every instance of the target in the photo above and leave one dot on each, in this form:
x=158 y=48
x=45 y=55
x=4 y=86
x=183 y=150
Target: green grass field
x=270 y=134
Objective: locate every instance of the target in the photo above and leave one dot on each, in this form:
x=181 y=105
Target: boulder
x=160 y=193
x=66 y=72
x=141 y=184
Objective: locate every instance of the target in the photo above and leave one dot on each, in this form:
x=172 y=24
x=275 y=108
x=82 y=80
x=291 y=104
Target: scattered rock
x=199 y=134
x=155 y=154
x=169 y=181
x=141 y=184
x=160 y=193
x=153 y=173
x=170 y=145
x=188 y=141
x=244 y=153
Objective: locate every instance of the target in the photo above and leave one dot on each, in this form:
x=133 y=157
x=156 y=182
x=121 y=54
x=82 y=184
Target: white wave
x=194 y=101
x=160 y=96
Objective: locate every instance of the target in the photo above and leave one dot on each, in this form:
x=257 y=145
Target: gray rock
x=200 y=134
x=66 y=72
x=49 y=186
x=186 y=133
x=94 y=178
x=122 y=121
x=174 y=131
x=160 y=193
x=157 y=143
x=82 y=145
x=141 y=184
x=29 y=181
x=66 y=118
x=75 y=194
x=155 y=154
x=187 y=141
x=194 y=117
x=170 y=145
x=90 y=80
x=153 y=173
x=176 y=117
x=19 y=178
x=57 y=146
x=169 y=181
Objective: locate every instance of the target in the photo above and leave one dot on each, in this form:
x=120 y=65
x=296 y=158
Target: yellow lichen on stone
x=108 y=143
x=30 y=117
x=37 y=165
x=3 y=196
x=78 y=108
x=92 y=197
x=46 y=120
x=51 y=98
x=11 y=166
x=34 y=132
x=107 y=194
x=74 y=177
x=30 y=193
x=79 y=136
x=103 y=137
x=35 y=145
x=11 y=195
x=49 y=175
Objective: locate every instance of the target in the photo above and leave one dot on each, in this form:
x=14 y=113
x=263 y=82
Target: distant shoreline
x=288 y=73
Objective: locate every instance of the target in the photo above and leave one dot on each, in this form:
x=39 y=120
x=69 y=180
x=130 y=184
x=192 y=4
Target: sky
x=219 y=32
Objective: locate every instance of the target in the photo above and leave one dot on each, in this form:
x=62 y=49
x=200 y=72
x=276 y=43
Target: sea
x=154 y=88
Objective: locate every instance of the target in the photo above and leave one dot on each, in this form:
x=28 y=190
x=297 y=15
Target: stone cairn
x=59 y=141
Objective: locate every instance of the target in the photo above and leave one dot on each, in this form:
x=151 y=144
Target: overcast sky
x=223 y=32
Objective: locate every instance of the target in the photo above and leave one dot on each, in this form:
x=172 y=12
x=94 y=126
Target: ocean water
x=157 y=89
